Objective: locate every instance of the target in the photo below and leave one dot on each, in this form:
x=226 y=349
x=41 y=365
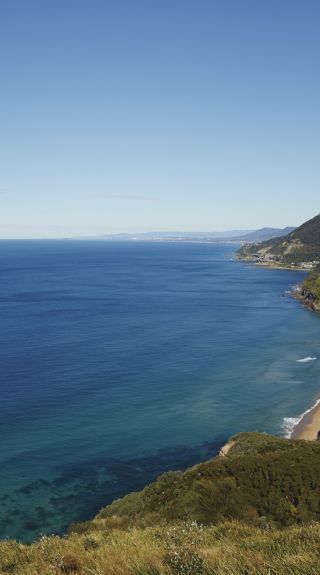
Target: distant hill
x=265 y=234
x=299 y=246
x=228 y=235
x=170 y=236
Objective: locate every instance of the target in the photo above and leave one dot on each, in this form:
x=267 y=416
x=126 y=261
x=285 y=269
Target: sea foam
x=289 y=423
x=306 y=359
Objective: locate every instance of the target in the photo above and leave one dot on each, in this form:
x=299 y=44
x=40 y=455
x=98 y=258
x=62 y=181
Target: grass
x=231 y=548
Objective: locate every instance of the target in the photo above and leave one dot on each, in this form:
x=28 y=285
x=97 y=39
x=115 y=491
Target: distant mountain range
x=299 y=246
x=170 y=236
x=266 y=234
x=229 y=235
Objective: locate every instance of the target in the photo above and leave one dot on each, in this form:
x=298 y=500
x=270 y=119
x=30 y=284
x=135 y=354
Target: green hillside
x=254 y=511
x=262 y=476
x=301 y=245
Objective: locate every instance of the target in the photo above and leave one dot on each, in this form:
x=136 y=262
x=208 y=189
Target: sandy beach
x=309 y=426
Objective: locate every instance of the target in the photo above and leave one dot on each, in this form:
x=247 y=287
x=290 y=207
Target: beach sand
x=309 y=426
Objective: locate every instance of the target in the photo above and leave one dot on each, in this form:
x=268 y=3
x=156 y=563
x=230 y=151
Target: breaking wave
x=289 y=423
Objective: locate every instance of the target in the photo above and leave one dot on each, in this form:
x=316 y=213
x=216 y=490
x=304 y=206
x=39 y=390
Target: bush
x=90 y=543
x=180 y=545
x=68 y=564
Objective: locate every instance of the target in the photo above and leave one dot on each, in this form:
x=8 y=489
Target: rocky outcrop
x=226 y=448
x=308 y=298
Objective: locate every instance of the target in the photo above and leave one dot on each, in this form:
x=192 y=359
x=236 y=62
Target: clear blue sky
x=144 y=115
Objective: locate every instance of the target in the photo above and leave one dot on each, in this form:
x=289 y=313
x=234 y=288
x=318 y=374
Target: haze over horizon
x=134 y=117
x=56 y=232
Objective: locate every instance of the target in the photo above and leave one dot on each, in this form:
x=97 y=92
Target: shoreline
x=272 y=266
x=295 y=293
x=308 y=424
x=309 y=304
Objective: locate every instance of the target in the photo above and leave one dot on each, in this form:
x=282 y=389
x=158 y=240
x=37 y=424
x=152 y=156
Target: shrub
x=90 y=543
x=68 y=564
x=180 y=545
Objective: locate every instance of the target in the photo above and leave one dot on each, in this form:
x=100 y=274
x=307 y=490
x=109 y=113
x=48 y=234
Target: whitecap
x=306 y=359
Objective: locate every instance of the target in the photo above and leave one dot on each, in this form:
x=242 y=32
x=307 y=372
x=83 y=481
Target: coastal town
x=270 y=259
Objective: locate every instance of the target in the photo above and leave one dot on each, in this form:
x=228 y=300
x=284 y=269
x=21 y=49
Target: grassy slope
x=227 y=549
x=259 y=508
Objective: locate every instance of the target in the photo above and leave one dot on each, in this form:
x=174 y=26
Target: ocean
x=122 y=360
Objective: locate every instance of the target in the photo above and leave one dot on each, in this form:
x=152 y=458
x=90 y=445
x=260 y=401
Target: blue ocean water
x=121 y=360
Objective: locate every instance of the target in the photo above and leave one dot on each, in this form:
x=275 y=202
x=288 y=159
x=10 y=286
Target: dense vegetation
x=311 y=286
x=301 y=245
x=254 y=511
x=263 y=478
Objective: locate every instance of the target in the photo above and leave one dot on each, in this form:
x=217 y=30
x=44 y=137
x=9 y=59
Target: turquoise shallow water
x=121 y=360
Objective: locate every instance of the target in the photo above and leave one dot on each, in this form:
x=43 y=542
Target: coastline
x=295 y=293
x=307 y=303
x=308 y=425
x=272 y=266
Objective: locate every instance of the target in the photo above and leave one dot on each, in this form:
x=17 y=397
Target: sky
x=148 y=115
